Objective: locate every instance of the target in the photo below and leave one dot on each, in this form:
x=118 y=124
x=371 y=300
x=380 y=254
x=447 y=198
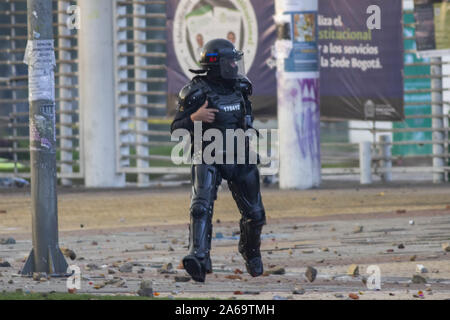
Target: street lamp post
x=45 y=257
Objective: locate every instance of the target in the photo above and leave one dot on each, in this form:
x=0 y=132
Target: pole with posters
x=296 y=52
x=45 y=257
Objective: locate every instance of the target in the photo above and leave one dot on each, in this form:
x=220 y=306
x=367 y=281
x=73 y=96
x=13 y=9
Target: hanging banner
x=432 y=19
x=361 y=59
x=246 y=23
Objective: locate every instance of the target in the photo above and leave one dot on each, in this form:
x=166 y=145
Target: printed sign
x=40 y=58
x=361 y=59
x=432 y=27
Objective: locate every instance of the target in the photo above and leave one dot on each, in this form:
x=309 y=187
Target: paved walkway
x=401 y=228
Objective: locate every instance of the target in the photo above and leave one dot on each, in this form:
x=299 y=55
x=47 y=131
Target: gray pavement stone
x=291 y=248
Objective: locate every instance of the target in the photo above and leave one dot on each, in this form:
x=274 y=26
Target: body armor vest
x=231 y=113
x=231 y=109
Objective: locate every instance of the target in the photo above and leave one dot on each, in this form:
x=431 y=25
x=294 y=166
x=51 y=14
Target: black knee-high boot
x=198 y=262
x=249 y=246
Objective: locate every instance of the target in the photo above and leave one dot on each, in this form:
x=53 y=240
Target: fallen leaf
x=358 y=229
x=353 y=296
x=233 y=277
x=353 y=270
x=446 y=247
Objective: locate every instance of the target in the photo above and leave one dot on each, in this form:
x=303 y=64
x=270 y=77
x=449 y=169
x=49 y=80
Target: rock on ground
x=418 y=279
x=145 y=289
x=310 y=273
x=126 y=267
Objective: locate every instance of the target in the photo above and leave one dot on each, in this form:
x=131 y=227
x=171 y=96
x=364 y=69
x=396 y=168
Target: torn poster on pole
x=361 y=59
x=40 y=58
x=432 y=27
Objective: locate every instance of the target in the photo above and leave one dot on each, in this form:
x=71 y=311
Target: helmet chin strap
x=200 y=71
x=214 y=75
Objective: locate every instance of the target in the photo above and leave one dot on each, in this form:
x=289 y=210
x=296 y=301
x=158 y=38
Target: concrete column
x=298 y=96
x=386 y=154
x=365 y=162
x=97 y=93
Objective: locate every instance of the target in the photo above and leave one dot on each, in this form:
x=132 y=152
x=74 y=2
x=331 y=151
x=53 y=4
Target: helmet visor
x=232 y=67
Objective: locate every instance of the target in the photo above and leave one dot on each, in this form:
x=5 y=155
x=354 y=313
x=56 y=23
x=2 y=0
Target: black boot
x=198 y=262
x=249 y=244
x=208 y=263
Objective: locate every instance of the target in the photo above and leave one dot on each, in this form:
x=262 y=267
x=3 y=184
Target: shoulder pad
x=245 y=85
x=192 y=94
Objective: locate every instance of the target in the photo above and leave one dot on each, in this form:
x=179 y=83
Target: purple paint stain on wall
x=307 y=130
x=45 y=143
x=311 y=85
x=294 y=93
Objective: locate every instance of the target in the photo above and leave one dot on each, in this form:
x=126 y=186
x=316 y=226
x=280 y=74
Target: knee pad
x=198 y=210
x=256 y=217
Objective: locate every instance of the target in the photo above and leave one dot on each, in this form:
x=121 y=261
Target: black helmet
x=221 y=57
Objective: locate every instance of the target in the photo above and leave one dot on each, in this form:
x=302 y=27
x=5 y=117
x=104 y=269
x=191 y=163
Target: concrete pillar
x=386 y=153
x=298 y=96
x=97 y=94
x=365 y=162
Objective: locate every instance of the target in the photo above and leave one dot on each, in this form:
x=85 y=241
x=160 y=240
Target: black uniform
x=230 y=97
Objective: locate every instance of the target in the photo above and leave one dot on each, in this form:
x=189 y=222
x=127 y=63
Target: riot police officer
x=218 y=96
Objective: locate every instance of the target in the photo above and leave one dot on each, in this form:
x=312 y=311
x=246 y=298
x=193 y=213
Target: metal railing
x=436 y=134
x=141 y=82
x=14 y=145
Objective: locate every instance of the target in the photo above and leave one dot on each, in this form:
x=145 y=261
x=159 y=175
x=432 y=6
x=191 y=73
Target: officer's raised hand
x=204 y=114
